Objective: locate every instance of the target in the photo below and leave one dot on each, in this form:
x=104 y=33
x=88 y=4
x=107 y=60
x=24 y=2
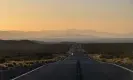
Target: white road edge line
x=35 y=70
x=123 y=68
x=28 y=72
x=118 y=66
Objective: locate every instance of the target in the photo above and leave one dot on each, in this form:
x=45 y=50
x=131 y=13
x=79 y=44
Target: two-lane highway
x=62 y=70
x=78 y=67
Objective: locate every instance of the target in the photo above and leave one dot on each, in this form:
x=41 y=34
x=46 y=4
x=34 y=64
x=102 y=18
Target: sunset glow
x=115 y=16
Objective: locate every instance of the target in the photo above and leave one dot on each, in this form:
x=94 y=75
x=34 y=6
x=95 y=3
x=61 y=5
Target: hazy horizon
x=66 y=35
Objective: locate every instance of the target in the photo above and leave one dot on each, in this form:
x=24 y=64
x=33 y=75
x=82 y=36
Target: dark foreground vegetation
x=117 y=53
x=18 y=57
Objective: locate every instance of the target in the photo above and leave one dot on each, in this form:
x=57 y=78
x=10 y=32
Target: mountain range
x=66 y=35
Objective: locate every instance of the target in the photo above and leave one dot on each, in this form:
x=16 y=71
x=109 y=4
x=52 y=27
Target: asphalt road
x=78 y=67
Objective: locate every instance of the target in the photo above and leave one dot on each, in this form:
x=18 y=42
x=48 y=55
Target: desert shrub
x=112 y=59
x=103 y=60
x=10 y=65
x=127 y=61
x=107 y=56
x=2 y=66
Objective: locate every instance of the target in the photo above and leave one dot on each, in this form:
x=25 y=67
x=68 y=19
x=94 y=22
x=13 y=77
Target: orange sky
x=115 y=16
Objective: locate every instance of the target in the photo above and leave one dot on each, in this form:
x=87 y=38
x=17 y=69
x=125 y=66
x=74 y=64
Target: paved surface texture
x=79 y=67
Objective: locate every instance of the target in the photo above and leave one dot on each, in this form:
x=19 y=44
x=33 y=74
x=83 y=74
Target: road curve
x=78 y=67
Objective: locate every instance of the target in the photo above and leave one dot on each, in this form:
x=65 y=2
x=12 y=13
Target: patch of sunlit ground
x=28 y=63
x=115 y=60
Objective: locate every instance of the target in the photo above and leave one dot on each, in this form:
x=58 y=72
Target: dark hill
x=13 y=47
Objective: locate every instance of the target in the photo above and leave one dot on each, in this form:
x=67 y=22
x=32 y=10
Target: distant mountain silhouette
x=17 y=41
x=64 y=35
